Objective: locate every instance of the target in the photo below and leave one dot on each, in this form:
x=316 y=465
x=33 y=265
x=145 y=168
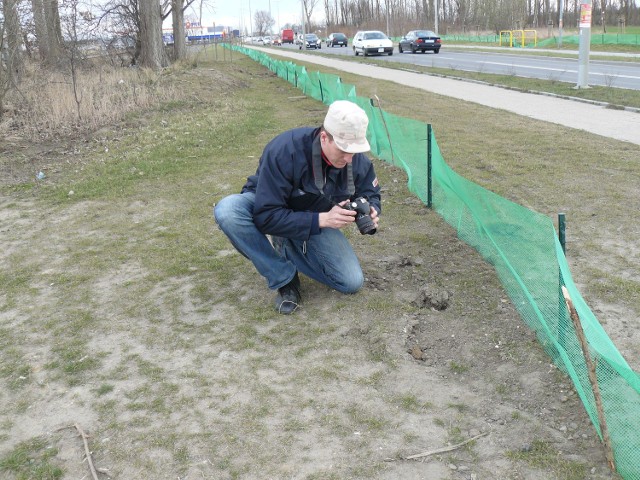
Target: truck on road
x=287 y=36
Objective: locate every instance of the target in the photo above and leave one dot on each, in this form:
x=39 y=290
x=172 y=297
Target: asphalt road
x=601 y=72
x=617 y=124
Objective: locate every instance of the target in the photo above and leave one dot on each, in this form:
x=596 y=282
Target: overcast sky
x=235 y=13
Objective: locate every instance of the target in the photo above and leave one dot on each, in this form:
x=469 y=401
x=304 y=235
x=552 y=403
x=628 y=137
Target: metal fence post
x=429 y=181
x=561 y=232
x=563 y=324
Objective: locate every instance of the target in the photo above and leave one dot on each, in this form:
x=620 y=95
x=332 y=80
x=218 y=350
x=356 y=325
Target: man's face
x=337 y=157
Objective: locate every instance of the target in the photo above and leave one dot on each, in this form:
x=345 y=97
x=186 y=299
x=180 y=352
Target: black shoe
x=288 y=297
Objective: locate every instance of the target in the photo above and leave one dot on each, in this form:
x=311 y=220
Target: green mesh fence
x=522 y=246
x=596 y=39
x=471 y=38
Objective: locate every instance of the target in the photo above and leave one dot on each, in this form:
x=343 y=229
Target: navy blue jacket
x=284 y=181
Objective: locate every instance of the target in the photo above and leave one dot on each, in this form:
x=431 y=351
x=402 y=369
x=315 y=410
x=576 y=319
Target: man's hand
x=374 y=216
x=337 y=217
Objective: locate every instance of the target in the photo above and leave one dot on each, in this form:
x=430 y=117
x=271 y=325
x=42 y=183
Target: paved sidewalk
x=617 y=124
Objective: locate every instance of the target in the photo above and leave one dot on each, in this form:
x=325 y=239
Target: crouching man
x=300 y=196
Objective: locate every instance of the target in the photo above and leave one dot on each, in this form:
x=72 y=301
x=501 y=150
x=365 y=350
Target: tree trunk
x=179 y=44
x=330 y=21
x=40 y=28
x=13 y=60
x=54 y=32
x=152 y=54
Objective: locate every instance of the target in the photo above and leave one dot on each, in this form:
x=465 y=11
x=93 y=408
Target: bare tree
x=13 y=49
x=121 y=20
x=309 y=5
x=263 y=22
x=461 y=12
x=78 y=26
x=176 y=9
x=5 y=80
x=177 y=18
x=329 y=13
x=40 y=26
x=74 y=56
x=54 y=31
x=152 y=54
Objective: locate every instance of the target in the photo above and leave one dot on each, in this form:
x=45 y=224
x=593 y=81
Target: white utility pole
x=560 y=22
x=304 y=41
x=585 y=44
x=388 y=32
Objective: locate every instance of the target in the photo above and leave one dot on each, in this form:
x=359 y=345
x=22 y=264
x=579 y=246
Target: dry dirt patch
x=191 y=374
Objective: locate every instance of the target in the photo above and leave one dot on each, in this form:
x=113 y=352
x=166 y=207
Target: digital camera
x=364 y=222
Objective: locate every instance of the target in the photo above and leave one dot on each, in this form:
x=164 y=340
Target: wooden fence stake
x=591 y=367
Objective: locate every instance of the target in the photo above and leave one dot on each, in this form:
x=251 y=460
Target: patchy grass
x=32 y=460
x=125 y=302
x=542 y=455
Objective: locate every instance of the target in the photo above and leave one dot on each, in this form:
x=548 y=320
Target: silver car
x=311 y=40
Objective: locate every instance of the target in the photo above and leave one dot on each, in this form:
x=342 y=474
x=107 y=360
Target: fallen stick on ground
x=94 y=472
x=439 y=450
x=87 y=452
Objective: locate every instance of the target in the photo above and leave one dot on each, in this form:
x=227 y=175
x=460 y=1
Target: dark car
x=420 y=40
x=337 y=39
x=311 y=40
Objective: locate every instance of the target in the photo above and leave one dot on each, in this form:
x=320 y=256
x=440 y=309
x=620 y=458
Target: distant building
x=197 y=33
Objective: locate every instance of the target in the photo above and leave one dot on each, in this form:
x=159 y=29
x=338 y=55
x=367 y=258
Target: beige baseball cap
x=347 y=123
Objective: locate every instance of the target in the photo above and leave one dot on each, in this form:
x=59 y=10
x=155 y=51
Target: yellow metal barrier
x=510 y=32
x=521 y=34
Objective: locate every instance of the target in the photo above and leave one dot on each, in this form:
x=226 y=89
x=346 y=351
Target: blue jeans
x=327 y=258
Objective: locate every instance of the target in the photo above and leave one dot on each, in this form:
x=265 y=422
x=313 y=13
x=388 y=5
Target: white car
x=372 y=42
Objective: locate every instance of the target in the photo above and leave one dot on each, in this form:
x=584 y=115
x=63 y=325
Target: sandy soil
x=430 y=354
x=186 y=377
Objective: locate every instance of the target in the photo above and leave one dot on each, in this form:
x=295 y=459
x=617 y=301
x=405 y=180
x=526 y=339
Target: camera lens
x=365 y=225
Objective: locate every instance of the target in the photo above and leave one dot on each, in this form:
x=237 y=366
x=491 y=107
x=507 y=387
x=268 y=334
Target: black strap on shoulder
x=316 y=165
x=351 y=184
